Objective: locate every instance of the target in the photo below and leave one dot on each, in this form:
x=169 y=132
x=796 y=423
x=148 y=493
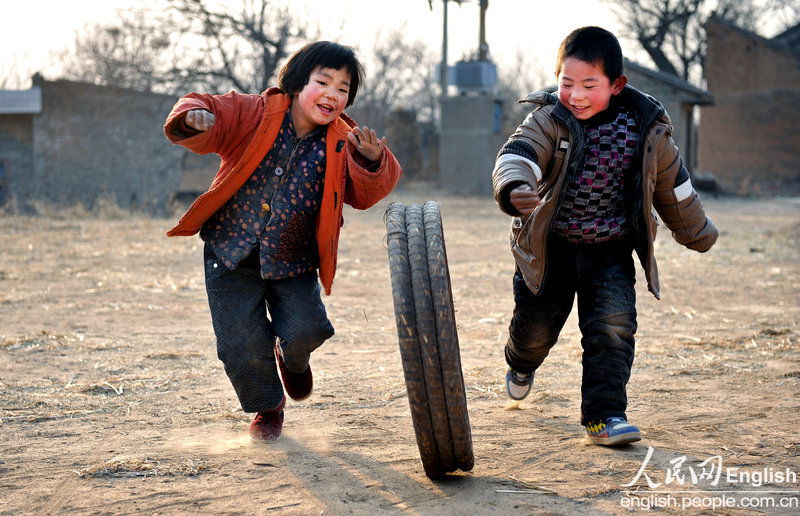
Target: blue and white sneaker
x=612 y=432
x=518 y=385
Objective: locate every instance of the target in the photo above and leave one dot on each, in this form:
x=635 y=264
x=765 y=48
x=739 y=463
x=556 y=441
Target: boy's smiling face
x=322 y=100
x=584 y=89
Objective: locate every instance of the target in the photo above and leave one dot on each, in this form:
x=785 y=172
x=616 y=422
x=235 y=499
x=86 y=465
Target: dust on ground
x=112 y=399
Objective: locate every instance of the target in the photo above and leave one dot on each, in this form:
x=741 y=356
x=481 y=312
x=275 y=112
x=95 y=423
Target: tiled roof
x=21 y=102
x=700 y=96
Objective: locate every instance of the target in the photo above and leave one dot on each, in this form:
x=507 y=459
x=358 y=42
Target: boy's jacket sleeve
x=520 y=159
x=678 y=204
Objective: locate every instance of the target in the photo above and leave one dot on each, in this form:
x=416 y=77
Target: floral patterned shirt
x=276 y=209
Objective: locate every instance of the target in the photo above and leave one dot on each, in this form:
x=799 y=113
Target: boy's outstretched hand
x=367 y=143
x=525 y=199
x=200 y=119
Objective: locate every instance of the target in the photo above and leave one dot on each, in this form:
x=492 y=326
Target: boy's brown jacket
x=245 y=129
x=663 y=184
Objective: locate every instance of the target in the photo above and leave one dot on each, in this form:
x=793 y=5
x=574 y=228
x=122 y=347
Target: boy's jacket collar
x=648 y=108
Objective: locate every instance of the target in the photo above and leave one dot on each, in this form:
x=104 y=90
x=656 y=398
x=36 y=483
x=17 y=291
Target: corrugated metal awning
x=21 y=102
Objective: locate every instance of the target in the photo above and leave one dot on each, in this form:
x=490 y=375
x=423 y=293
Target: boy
x=581 y=176
x=289 y=158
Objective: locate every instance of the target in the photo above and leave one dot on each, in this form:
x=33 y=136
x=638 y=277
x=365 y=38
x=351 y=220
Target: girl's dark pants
x=603 y=277
x=249 y=313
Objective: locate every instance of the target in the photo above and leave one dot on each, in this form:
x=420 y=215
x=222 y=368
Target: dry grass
x=145 y=467
x=108 y=368
x=102 y=208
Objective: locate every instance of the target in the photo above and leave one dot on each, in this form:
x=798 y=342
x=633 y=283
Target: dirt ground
x=112 y=399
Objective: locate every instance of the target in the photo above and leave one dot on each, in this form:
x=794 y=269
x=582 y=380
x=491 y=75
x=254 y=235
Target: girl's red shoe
x=267 y=425
x=297 y=385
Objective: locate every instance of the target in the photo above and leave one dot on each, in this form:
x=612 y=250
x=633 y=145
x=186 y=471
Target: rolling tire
x=428 y=339
x=406 y=321
x=427 y=335
x=447 y=338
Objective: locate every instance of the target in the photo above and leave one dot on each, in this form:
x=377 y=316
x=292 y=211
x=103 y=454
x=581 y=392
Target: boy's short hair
x=592 y=45
x=296 y=72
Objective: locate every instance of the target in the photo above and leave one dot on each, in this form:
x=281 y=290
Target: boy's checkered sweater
x=593 y=209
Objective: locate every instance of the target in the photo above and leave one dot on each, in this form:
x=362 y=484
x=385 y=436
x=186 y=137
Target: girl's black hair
x=592 y=45
x=296 y=72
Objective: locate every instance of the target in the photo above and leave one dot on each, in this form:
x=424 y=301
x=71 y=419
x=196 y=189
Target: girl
x=270 y=221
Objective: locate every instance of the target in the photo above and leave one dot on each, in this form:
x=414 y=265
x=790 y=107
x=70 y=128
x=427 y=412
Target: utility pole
x=483 y=47
x=471 y=119
x=443 y=66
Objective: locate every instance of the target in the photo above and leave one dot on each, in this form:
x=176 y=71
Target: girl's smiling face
x=322 y=100
x=584 y=89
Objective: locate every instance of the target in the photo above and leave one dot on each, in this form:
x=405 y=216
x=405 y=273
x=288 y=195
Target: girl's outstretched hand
x=367 y=143
x=200 y=119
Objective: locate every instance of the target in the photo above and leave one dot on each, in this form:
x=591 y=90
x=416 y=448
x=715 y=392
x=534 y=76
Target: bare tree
x=671 y=31
x=399 y=75
x=515 y=80
x=131 y=52
x=783 y=13
x=188 y=44
x=399 y=99
x=7 y=78
x=241 y=45
x=15 y=73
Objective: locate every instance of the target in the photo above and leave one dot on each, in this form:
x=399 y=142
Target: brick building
x=679 y=98
x=750 y=137
x=64 y=142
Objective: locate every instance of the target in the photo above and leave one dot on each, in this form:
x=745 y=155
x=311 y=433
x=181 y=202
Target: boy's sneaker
x=267 y=425
x=298 y=385
x=518 y=385
x=612 y=432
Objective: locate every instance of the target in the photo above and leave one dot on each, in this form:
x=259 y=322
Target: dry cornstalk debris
x=94 y=388
x=523 y=486
x=120 y=467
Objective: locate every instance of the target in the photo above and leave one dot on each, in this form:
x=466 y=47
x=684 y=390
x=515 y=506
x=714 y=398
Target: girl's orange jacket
x=245 y=129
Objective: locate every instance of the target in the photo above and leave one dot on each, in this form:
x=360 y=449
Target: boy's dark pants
x=239 y=300
x=603 y=277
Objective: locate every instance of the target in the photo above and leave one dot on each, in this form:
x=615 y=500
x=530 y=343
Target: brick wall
x=679 y=113
x=94 y=142
x=750 y=137
x=679 y=99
